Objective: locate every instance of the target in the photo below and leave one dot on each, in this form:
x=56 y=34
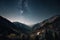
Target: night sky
x=29 y=11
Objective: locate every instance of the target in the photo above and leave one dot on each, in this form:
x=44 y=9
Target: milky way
x=22 y=6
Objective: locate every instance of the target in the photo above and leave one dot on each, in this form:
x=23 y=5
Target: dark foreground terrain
x=49 y=29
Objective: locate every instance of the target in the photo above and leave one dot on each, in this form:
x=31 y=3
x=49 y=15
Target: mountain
x=24 y=28
x=54 y=22
x=48 y=29
x=7 y=27
x=51 y=23
x=10 y=27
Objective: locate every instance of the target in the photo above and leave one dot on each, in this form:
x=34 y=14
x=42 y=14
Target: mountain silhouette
x=7 y=27
x=50 y=28
x=24 y=28
x=53 y=21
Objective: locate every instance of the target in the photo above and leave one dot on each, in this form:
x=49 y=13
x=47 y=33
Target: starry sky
x=29 y=11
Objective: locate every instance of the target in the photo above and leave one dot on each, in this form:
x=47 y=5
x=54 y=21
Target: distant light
x=38 y=33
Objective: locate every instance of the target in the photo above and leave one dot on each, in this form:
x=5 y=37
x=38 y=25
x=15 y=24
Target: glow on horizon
x=22 y=20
